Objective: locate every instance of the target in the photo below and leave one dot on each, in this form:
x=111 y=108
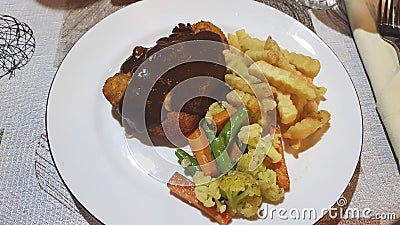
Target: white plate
x=89 y=147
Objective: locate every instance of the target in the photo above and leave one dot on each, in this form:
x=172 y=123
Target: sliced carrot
x=201 y=150
x=282 y=175
x=234 y=152
x=220 y=119
x=184 y=189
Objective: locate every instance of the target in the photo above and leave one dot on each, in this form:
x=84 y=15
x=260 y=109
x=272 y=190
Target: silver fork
x=388 y=22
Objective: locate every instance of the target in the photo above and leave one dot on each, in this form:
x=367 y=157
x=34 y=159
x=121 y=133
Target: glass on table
x=318 y=4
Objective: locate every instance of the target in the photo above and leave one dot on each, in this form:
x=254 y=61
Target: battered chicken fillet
x=208 y=26
x=115 y=86
x=186 y=122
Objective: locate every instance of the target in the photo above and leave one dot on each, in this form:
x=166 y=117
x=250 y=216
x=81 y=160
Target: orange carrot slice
x=201 y=150
x=184 y=189
x=220 y=119
x=282 y=175
x=234 y=152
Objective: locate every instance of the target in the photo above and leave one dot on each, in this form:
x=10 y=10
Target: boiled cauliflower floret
x=266 y=178
x=216 y=108
x=250 y=161
x=250 y=206
x=273 y=142
x=242 y=193
x=207 y=191
x=267 y=182
x=250 y=134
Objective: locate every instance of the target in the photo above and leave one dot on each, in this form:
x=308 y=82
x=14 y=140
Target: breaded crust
x=187 y=123
x=208 y=26
x=114 y=88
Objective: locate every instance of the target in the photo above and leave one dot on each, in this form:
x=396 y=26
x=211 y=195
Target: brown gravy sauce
x=146 y=76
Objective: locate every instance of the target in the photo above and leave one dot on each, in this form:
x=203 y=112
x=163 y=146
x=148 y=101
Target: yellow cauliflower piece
x=250 y=134
x=214 y=109
x=207 y=191
x=238 y=98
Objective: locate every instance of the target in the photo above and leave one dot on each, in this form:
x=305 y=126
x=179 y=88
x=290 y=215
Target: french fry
x=237 y=63
x=261 y=89
x=283 y=61
x=266 y=119
x=271 y=44
x=287 y=110
x=305 y=64
x=246 y=42
x=299 y=103
x=238 y=83
x=270 y=56
x=310 y=108
x=321 y=91
x=284 y=79
x=308 y=125
x=294 y=143
x=238 y=98
x=268 y=104
x=233 y=41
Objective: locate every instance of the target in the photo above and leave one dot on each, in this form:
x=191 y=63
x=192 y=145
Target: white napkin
x=381 y=63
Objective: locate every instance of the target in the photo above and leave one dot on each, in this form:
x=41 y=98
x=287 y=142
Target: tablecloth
x=31 y=191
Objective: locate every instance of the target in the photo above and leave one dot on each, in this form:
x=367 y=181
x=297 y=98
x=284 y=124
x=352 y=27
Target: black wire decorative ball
x=17 y=45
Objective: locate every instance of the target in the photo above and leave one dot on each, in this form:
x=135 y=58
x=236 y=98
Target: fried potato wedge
x=238 y=83
x=285 y=80
x=238 y=98
x=308 y=125
x=246 y=42
x=305 y=64
x=270 y=56
x=287 y=110
x=238 y=64
x=233 y=41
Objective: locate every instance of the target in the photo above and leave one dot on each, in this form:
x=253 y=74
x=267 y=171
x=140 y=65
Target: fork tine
x=380 y=12
x=388 y=22
x=397 y=14
x=385 y=12
x=392 y=13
